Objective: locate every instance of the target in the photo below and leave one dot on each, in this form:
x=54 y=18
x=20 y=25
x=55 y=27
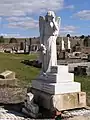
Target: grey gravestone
x=26 y=49
x=21 y=46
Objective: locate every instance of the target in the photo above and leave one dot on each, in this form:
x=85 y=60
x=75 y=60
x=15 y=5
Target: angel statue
x=49 y=30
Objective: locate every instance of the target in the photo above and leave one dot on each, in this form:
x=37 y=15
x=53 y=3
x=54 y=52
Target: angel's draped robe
x=49 y=40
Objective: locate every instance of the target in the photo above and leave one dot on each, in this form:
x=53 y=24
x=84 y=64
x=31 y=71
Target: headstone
x=21 y=46
x=26 y=49
x=54 y=79
x=63 y=45
x=69 y=44
x=30 y=43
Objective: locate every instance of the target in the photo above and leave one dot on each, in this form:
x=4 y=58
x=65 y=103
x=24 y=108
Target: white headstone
x=63 y=47
x=69 y=44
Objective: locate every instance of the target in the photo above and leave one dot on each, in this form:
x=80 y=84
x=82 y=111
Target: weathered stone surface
x=29 y=113
x=56 y=88
x=7 y=75
x=12 y=95
x=32 y=107
x=87 y=117
x=8 y=82
x=60 y=101
x=48 y=37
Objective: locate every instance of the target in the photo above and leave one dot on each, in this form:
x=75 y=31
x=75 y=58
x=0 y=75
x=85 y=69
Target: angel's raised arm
x=58 y=20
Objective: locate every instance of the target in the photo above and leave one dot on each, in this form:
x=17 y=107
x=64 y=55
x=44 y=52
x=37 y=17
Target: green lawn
x=85 y=83
x=23 y=72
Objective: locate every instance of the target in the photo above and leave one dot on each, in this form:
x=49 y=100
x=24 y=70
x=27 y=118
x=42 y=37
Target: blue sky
x=19 y=18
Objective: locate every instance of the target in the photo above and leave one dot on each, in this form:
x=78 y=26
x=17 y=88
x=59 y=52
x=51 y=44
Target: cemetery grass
x=85 y=82
x=85 y=85
x=24 y=73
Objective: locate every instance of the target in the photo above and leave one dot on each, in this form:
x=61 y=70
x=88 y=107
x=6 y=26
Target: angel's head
x=50 y=15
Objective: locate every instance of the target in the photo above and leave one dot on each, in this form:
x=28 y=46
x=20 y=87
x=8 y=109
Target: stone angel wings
x=42 y=25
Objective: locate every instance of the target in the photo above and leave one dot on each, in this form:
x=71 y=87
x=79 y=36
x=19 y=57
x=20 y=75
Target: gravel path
x=12 y=115
x=79 y=118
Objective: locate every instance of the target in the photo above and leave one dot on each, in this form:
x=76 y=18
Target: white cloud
x=22 y=7
x=69 y=7
x=68 y=29
x=9 y=35
x=22 y=22
x=16 y=11
x=83 y=15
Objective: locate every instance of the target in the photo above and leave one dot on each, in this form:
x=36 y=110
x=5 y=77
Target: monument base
x=56 y=88
x=60 y=101
x=57 y=78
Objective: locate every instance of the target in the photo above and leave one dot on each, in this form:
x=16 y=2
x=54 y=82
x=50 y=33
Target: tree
x=1 y=39
x=68 y=35
x=82 y=36
x=13 y=40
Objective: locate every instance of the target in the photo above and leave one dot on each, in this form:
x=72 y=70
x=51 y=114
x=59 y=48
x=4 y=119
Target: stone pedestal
x=57 y=89
x=60 y=101
x=58 y=81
